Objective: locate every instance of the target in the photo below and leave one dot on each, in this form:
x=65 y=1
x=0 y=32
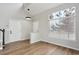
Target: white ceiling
x=7 y=9
x=40 y=7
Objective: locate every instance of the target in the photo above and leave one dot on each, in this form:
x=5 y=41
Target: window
x=63 y=22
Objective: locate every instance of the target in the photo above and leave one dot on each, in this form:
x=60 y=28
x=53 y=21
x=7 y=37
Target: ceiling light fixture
x=28 y=15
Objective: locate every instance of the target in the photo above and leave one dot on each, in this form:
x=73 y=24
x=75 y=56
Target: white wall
x=19 y=30
x=44 y=27
x=11 y=11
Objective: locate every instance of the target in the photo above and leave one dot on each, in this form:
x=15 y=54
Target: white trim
x=61 y=45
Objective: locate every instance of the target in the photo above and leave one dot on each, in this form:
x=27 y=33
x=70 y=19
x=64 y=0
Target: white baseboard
x=15 y=40
x=34 y=41
x=61 y=45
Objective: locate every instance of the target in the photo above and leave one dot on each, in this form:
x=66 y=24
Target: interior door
x=15 y=30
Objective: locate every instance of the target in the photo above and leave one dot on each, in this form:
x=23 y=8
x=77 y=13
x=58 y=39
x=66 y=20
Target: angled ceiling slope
x=39 y=7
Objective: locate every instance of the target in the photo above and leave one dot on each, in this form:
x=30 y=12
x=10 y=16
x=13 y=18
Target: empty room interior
x=39 y=28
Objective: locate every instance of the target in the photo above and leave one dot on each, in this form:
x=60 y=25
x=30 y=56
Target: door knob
x=10 y=32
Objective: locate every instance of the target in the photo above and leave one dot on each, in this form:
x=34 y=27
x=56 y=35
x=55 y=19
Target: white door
x=35 y=26
x=15 y=30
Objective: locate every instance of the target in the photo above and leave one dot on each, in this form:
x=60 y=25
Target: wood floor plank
x=38 y=48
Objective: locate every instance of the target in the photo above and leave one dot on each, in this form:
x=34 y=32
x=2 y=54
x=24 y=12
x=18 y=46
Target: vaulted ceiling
x=39 y=7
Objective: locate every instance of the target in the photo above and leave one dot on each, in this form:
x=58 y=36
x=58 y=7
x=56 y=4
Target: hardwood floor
x=39 y=48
